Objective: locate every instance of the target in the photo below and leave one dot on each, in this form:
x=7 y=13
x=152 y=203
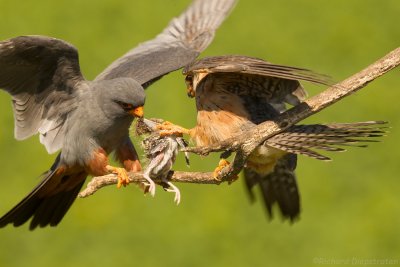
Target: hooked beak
x=190 y=92
x=137 y=112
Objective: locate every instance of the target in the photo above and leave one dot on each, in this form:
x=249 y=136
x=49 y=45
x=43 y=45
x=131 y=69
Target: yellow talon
x=221 y=165
x=122 y=175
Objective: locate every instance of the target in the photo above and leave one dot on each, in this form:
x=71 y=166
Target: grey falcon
x=87 y=120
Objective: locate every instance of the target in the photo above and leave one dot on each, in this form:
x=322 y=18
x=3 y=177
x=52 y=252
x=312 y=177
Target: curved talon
x=122 y=175
x=174 y=189
x=221 y=165
x=168 y=128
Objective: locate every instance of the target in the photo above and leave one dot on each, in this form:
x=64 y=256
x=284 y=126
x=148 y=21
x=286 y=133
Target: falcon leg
x=168 y=128
x=123 y=178
x=126 y=154
x=172 y=188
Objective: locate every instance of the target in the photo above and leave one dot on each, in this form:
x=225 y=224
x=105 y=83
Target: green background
x=351 y=206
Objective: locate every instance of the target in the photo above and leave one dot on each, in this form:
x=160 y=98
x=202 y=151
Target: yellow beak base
x=137 y=112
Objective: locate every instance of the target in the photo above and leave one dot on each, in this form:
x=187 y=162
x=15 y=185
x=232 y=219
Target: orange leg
x=168 y=128
x=126 y=155
x=123 y=178
x=221 y=165
x=98 y=165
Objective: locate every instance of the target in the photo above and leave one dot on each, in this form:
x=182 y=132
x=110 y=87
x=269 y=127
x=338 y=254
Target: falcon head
x=121 y=97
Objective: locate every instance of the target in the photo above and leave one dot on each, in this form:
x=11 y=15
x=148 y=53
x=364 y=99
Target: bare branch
x=244 y=144
x=137 y=177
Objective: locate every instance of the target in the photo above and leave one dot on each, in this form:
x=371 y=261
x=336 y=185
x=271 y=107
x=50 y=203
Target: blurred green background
x=351 y=206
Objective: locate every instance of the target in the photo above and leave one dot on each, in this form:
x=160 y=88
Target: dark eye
x=125 y=106
x=189 y=80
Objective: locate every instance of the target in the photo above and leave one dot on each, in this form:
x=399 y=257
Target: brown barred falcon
x=235 y=93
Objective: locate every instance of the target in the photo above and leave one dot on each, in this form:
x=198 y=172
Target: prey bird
x=87 y=120
x=235 y=93
x=161 y=152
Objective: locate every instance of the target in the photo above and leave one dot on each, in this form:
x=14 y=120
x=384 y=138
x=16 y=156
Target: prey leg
x=172 y=188
x=150 y=185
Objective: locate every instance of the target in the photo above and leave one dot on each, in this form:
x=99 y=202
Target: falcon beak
x=137 y=112
x=190 y=92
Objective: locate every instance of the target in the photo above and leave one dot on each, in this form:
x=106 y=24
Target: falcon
x=87 y=120
x=235 y=93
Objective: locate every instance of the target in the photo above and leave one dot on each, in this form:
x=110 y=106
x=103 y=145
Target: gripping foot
x=221 y=165
x=122 y=174
x=167 y=128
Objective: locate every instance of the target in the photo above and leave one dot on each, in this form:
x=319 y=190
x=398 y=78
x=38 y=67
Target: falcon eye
x=125 y=106
x=189 y=80
x=189 y=86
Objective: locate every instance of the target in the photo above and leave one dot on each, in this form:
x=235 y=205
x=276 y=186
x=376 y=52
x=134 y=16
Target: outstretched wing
x=179 y=44
x=41 y=74
x=253 y=66
x=252 y=78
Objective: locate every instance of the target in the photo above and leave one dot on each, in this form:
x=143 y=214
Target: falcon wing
x=255 y=78
x=253 y=66
x=179 y=44
x=41 y=74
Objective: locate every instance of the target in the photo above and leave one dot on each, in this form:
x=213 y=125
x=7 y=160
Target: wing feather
x=249 y=76
x=254 y=66
x=41 y=74
x=179 y=44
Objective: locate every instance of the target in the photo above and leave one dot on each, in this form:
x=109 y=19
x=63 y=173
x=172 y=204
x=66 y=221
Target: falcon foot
x=221 y=165
x=167 y=128
x=172 y=188
x=150 y=185
x=123 y=178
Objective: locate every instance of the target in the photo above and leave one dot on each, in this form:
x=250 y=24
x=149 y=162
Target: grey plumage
x=183 y=40
x=43 y=76
x=87 y=120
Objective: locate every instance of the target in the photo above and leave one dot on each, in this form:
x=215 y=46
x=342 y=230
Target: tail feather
x=278 y=187
x=52 y=210
x=301 y=139
x=45 y=205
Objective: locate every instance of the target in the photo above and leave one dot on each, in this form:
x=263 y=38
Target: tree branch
x=244 y=144
x=137 y=177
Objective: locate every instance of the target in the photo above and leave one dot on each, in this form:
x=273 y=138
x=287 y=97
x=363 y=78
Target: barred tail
x=301 y=139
